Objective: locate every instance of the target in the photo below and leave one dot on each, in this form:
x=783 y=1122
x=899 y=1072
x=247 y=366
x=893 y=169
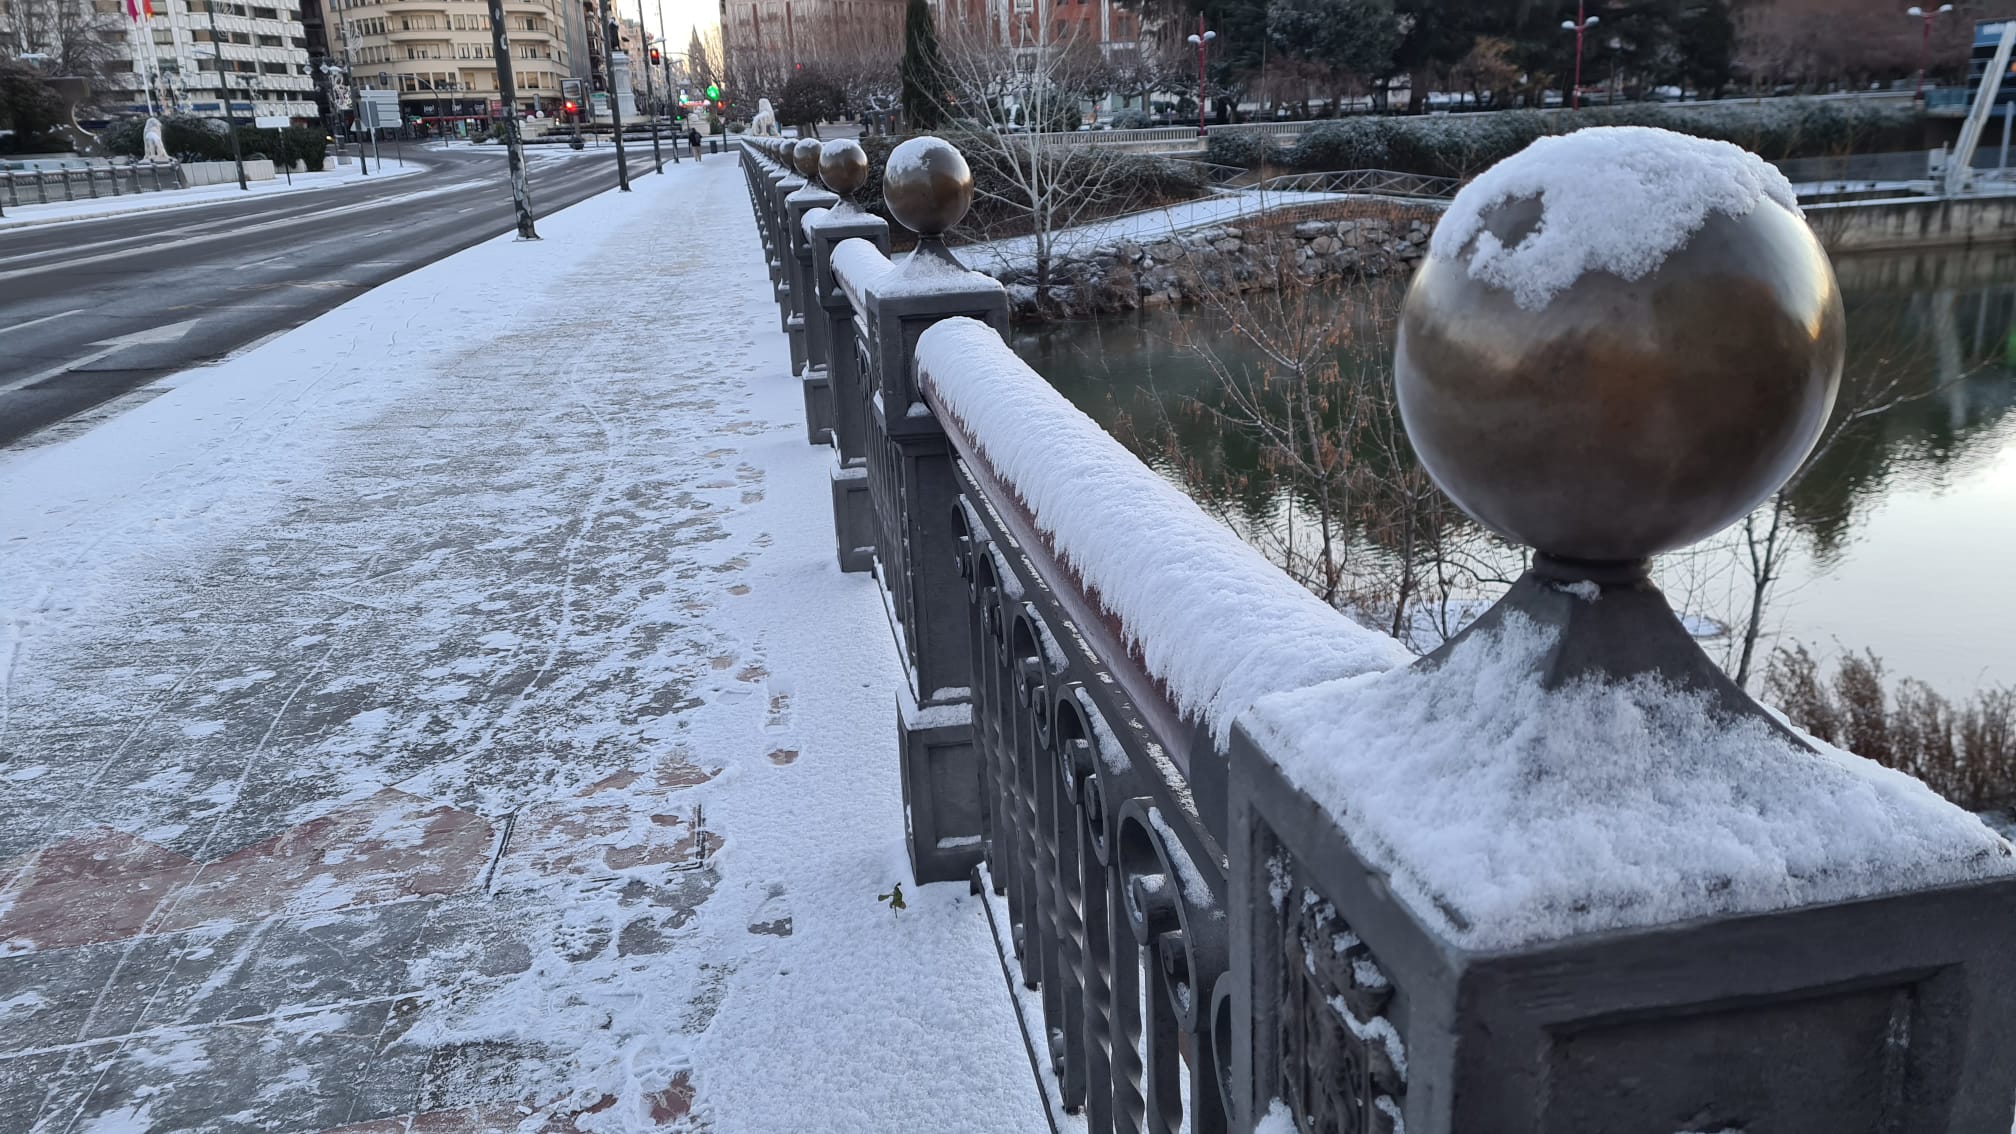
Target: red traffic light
x=656 y=58
x=571 y=107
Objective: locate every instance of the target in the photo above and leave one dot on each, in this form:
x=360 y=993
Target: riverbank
x=1320 y=237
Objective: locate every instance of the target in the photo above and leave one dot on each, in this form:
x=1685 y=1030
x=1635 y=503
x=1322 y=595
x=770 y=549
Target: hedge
x=1462 y=145
x=188 y=138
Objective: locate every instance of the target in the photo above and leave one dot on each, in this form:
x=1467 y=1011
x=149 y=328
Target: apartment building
x=438 y=55
x=193 y=56
x=787 y=34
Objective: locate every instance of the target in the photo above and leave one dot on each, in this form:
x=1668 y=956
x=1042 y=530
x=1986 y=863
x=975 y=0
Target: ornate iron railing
x=1382 y=182
x=1201 y=941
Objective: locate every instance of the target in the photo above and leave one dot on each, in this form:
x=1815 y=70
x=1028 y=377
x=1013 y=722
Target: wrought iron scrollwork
x=1125 y=945
x=1343 y=1063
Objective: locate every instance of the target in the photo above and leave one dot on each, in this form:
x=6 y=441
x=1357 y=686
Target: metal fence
x=1383 y=182
x=46 y=186
x=1200 y=941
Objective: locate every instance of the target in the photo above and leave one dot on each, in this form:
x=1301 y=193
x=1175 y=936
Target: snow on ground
x=449 y=714
x=20 y=216
x=998 y=256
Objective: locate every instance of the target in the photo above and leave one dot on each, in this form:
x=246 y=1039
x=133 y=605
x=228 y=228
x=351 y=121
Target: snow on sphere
x=1616 y=199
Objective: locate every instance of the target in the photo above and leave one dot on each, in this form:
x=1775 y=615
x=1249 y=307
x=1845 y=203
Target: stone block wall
x=1182 y=267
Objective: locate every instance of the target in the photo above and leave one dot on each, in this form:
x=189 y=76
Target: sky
x=681 y=17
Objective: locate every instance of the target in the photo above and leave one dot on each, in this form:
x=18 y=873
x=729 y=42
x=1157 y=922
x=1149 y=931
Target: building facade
x=192 y=56
x=790 y=34
x=437 y=54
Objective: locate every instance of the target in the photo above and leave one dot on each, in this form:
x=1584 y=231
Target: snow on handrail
x=857 y=264
x=1212 y=620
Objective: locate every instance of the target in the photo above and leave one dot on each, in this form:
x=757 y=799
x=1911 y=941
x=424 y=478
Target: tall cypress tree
x=923 y=71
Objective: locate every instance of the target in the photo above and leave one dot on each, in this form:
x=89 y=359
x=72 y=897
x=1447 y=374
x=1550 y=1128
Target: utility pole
x=230 y=122
x=657 y=158
x=507 y=88
x=615 y=101
x=1200 y=39
x=1580 y=25
x=356 y=99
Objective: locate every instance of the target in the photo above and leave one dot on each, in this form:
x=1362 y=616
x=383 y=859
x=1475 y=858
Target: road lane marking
x=283 y=222
x=166 y=333
x=43 y=319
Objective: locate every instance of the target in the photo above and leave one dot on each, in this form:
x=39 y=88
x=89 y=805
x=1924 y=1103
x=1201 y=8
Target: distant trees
x=64 y=38
x=810 y=98
x=30 y=111
x=923 y=69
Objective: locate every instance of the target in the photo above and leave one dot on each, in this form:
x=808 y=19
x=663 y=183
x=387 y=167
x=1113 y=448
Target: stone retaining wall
x=1182 y=267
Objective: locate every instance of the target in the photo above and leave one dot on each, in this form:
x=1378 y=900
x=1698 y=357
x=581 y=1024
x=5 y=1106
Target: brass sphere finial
x=1600 y=415
x=805 y=157
x=843 y=165
x=927 y=185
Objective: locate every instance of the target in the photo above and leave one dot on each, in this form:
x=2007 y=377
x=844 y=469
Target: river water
x=1903 y=530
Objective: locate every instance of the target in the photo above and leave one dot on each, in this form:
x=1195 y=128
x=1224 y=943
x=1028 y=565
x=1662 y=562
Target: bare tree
x=65 y=38
x=1343 y=506
x=1019 y=103
x=1767 y=539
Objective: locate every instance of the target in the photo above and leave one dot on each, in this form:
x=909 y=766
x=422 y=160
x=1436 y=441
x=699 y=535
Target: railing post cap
x=805 y=157
x=1620 y=418
x=843 y=165
x=927 y=185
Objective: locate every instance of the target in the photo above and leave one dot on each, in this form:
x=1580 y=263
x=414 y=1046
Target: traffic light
x=656 y=57
x=713 y=93
x=570 y=106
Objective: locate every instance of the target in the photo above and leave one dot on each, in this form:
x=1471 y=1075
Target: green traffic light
x=713 y=92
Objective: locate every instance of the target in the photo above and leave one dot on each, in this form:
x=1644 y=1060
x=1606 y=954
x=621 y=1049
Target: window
x=265 y=14
x=274 y=69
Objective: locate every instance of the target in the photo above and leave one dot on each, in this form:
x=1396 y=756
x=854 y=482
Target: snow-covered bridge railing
x=86 y=182
x=1260 y=868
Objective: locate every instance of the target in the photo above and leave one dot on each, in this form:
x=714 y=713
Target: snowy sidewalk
x=449 y=716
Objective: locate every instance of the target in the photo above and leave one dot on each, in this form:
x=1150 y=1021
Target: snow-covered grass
x=1505 y=814
x=1212 y=619
x=573 y=576
x=19 y=216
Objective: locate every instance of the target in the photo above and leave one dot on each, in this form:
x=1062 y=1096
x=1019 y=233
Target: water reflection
x=1905 y=522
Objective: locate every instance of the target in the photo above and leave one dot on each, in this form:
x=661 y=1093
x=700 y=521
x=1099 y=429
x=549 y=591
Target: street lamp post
x=1201 y=38
x=1580 y=25
x=230 y=122
x=507 y=90
x=610 y=38
x=1925 y=18
x=657 y=158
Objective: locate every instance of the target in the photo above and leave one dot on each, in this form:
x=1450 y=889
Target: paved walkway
x=448 y=717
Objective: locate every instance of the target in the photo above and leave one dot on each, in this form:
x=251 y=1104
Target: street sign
x=378 y=110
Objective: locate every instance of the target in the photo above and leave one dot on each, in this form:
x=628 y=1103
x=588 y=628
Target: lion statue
x=765 y=122
x=150 y=142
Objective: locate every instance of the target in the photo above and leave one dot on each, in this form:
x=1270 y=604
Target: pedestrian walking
x=693 y=139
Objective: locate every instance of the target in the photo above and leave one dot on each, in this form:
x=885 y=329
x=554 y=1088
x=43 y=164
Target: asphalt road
x=91 y=310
